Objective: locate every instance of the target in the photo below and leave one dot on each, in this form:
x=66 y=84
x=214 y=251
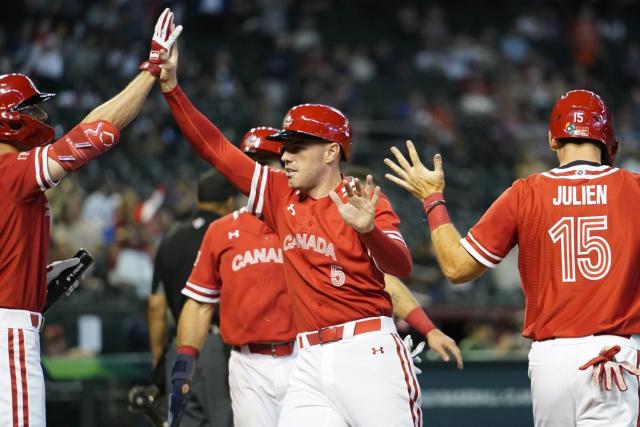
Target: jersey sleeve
x=491 y=239
x=388 y=221
x=269 y=190
x=26 y=174
x=204 y=282
x=385 y=243
x=210 y=143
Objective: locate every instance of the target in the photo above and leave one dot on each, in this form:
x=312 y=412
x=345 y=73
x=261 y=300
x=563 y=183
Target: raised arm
x=99 y=130
x=203 y=135
x=427 y=186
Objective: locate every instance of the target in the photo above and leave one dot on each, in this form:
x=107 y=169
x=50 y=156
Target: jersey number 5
x=578 y=245
x=337 y=275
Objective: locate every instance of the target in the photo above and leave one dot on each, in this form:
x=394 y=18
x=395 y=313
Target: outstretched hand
x=415 y=177
x=360 y=209
x=164 y=37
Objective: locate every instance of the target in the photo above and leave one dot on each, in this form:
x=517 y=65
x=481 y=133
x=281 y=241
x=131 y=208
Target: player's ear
x=553 y=143
x=332 y=152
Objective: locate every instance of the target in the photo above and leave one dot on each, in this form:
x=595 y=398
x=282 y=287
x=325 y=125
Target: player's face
x=304 y=163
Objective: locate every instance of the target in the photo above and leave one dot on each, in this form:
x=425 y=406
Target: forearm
x=100 y=129
x=454 y=260
x=194 y=323
x=156 y=316
x=391 y=255
x=406 y=306
x=403 y=300
x=125 y=106
x=209 y=142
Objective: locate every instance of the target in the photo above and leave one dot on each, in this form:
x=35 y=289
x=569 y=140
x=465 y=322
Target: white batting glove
x=414 y=352
x=606 y=371
x=55 y=268
x=164 y=36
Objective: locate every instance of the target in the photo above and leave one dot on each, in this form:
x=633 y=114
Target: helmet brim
x=34 y=100
x=293 y=135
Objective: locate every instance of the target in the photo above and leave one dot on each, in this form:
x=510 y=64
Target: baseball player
x=575 y=226
x=239 y=266
x=337 y=243
x=30 y=164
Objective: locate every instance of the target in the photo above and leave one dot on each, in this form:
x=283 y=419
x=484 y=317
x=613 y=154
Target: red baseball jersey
x=24 y=228
x=578 y=235
x=332 y=277
x=239 y=265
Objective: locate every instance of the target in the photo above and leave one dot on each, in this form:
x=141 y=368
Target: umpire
x=210 y=405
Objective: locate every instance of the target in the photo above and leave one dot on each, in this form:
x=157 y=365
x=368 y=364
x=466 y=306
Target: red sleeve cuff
x=419 y=321
x=188 y=350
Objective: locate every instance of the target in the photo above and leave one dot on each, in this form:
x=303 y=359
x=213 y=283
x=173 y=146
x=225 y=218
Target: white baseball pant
x=563 y=395
x=364 y=380
x=257 y=384
x=22 y=396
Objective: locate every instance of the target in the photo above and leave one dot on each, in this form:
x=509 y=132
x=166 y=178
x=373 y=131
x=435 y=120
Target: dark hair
x=213 y=187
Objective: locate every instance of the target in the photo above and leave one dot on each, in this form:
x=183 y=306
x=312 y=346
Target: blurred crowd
x=476 y=86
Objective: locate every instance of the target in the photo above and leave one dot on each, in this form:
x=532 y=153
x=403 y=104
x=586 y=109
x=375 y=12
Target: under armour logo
x=377 y=350
x=291 y=209
x=234 y=233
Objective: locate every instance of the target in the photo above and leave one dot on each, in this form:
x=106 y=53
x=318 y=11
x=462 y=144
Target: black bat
x=63 y=284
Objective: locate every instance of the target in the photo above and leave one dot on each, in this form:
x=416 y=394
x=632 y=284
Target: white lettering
x=256 y=256
x=582 y=195
x=309 y=242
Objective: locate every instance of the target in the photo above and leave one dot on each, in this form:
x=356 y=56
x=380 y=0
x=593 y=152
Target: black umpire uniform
x=210 y=404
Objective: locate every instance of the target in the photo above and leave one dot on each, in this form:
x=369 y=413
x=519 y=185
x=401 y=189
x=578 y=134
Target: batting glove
x=606 y=368
x=164 y=37
x=414 y=352
x=57 y=267
x=181 y=378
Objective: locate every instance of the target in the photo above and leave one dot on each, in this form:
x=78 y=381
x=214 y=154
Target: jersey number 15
x=579 y=246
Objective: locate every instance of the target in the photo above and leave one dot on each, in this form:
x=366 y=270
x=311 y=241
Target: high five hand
x=360 y=209
x=164 y=36
x=416 y=178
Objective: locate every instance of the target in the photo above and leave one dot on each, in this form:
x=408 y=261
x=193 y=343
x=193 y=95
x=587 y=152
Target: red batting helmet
x=255 y=141
x=17 y=92
x=316 y=121
x=582 y=114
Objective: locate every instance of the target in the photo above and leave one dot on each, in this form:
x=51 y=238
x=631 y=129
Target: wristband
x=419 y=321
x=188 y=350
x=436 y=211
x=151 y=67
